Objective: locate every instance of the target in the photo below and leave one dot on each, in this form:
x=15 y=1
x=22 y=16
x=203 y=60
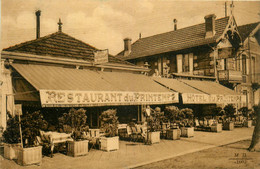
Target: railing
x=230 y=75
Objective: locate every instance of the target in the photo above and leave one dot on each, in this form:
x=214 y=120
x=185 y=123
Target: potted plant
x=109 y=123
x=227 y=123
x=230 y=116
x=246 y=113
x=76 y=119
x=11 y=138
x=171 y=112
x=214 y=124
x=186 y=122
x=31 y=152
x=154 y=127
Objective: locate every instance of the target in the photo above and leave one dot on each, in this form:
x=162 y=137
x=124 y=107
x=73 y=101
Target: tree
x=256 y=133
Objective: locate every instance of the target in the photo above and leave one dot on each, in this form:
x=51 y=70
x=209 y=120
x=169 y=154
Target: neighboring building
x=186 y=51
x=249 y=56
x=207 y=51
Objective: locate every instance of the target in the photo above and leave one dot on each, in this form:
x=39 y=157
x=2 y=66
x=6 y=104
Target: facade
x=249 y=56
x=208 y=51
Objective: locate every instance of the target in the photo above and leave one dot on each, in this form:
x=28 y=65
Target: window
x=244 y=64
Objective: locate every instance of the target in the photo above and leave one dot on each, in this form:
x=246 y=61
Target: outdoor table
x=54 y=137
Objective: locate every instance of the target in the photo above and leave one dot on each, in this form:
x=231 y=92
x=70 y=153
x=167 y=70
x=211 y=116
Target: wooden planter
x=153 y=137
x=77 y=148
x=216 y=128
x=109 y=143
x=29 y=156
x=11 y=151
x=173 y=134
x=248 y=123
x=228 y=126
x=187 y=131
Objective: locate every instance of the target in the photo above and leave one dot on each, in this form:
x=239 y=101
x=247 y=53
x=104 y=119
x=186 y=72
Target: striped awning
x=217 y=92
x=200 y=92
x=70 y=87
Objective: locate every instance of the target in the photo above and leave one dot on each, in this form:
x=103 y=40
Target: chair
x=129 y=132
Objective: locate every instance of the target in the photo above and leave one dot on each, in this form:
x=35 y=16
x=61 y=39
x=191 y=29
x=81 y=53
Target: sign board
x=18 y=109
x=66 y=98
x=101 y=56
x=192 y=98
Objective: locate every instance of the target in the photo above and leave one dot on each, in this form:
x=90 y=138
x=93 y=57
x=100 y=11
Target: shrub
x=109 y=122
x=244 y=111
x=187 y=115
x=217 y=111
x=31 y=124
x=230 y=110
x=76 y=120
x=12 y=134
x=171 y=112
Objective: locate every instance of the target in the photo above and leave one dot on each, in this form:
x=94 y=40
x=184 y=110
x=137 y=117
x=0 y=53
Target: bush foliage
x=109 y=122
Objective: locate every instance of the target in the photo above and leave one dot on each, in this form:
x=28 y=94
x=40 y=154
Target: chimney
x=175 y=24
x=127 y=47
x=38 y=14
x=210 y=25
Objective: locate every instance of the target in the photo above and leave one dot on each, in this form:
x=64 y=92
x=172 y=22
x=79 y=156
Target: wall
x=7 y=92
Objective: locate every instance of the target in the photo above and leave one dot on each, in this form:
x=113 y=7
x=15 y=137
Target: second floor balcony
x=230 y=75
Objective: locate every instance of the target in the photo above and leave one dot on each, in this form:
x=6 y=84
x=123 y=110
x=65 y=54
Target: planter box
x=77 y=148
x=173 y=134
x=216 y=128
x=109 y=143
x=187 y=131
x=228 y=126
x=248 y=123
x=153 y=137
x=11 y=151
x=29 y=156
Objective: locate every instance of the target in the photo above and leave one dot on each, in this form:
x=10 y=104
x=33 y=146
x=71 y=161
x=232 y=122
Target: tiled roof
x=245 y=30
x=60 y=45
x=188 y=37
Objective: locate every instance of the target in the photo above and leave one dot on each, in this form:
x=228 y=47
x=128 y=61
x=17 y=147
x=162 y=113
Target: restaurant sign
x=66 y=98
x=101 y=56
x=192 y=98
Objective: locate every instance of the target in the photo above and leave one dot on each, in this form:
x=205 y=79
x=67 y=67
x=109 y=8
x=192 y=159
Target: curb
x=186 y=152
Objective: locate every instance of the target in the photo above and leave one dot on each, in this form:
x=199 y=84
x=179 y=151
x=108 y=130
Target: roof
x=60 y=45
x=188 y=37
x=245 y=30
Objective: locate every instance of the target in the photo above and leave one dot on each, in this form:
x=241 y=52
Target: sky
x=105 y=23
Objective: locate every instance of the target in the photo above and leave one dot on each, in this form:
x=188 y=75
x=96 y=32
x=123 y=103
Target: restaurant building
x=56 y=72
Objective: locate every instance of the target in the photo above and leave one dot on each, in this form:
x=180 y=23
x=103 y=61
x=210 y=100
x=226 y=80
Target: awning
x=217 y=92
x=189 y=94
x=70 y=87
x=201 y=92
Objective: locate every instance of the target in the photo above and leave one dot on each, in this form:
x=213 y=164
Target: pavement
x=131 y=154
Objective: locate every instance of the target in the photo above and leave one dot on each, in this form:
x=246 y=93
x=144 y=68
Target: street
x=232 y=155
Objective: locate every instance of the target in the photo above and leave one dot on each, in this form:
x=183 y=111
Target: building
x=207 y=51
x=56 y=72
x=249 y=56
